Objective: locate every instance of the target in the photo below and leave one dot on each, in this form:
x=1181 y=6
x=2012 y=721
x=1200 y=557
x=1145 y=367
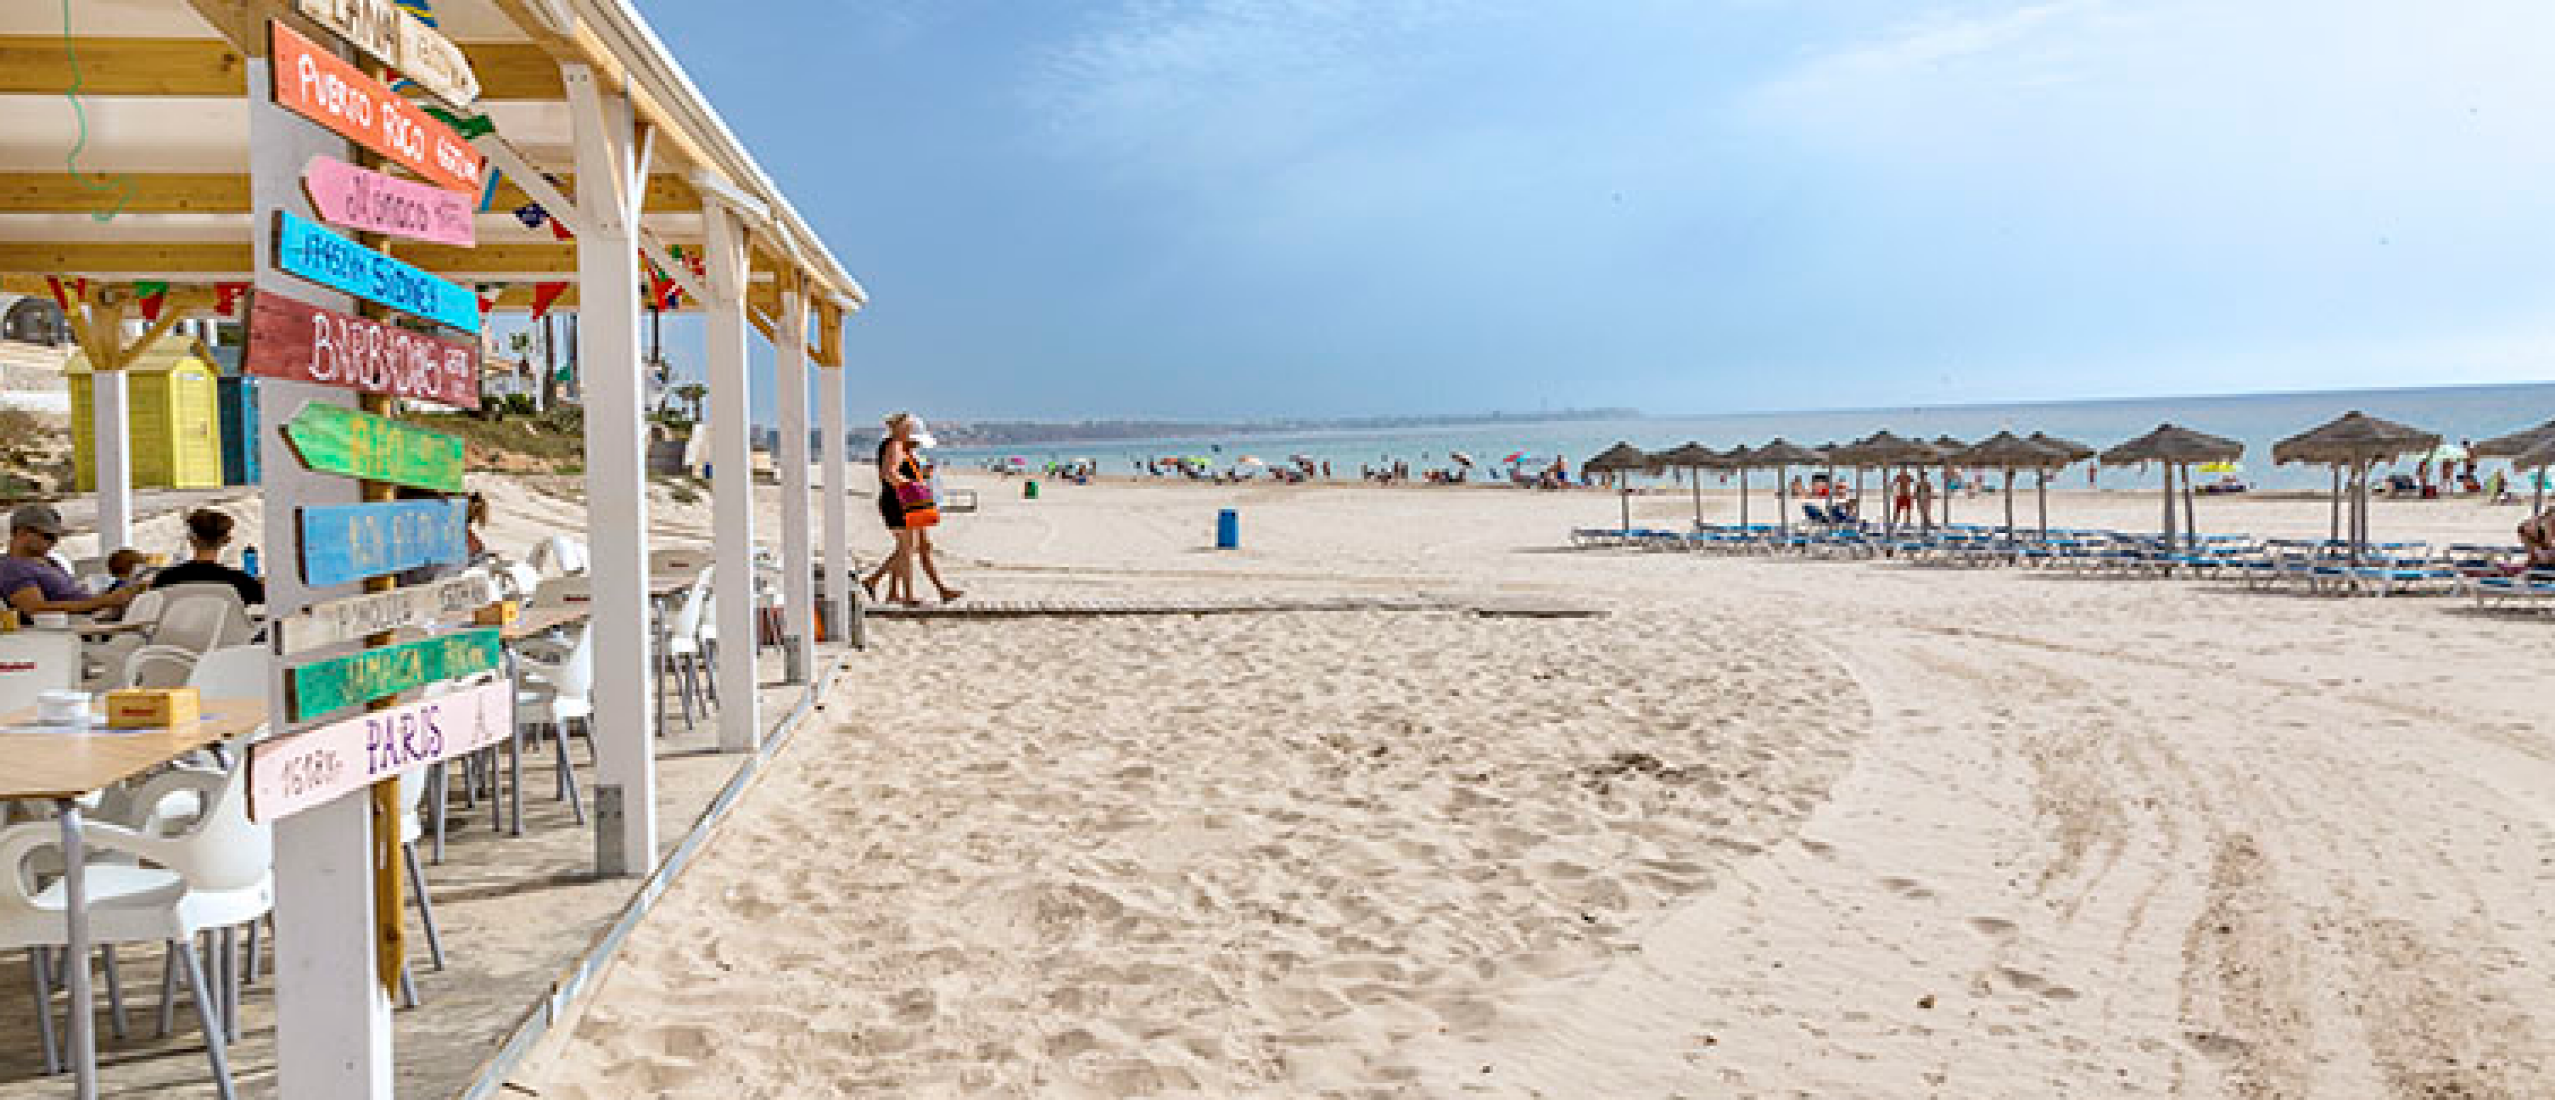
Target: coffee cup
x=62 y=707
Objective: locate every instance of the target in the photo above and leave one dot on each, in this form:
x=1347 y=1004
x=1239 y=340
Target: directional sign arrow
x=334 y=440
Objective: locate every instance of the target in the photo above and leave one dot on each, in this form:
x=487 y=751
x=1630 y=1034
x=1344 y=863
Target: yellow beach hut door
x=172 y=422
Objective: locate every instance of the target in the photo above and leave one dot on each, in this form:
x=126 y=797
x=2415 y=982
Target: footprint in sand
x=1908 y=888
x=1994 y=928
x=2032 y=983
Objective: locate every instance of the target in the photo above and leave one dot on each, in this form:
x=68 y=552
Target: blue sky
x=1330 y=207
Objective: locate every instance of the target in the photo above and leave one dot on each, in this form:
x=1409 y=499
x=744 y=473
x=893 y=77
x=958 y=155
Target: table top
x=38 y=761
x=545 y=618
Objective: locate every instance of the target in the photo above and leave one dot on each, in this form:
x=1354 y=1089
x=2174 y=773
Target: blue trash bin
x=1228 y=529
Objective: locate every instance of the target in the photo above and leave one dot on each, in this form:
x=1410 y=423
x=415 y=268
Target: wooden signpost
x=304 y=248
x=360 y=198
x=337 y=622
x=290 y=338
x=332 y=440
x=326 y=686
x=293 y=773
x=318 y=85
x=401 y=41
x=345 y=543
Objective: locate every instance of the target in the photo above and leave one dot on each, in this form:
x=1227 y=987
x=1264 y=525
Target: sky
x=1263 y=208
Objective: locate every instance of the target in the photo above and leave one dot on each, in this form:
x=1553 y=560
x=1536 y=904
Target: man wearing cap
x=28 y=578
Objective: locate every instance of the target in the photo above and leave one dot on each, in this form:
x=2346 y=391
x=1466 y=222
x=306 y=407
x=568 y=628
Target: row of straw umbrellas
x=2353 y=444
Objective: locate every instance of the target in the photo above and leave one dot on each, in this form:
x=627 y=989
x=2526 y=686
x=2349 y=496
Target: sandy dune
x=1766 y=829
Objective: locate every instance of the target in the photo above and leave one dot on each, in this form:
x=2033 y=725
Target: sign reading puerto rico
x=322 y=687
x=345 y=543
x=289 y=774
x=292 y=339
x=336 y=622
x=360 y=198
x=303 y=248
x=320 y=86
x=333 y=440
x=401 y=41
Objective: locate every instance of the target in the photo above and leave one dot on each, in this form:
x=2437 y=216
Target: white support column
x=789 y=373
x=332 y=1020
x=111 y=454
x=616 y=481
x=732 y=480
x=838 y=544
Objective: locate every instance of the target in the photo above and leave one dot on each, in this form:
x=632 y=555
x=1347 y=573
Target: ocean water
x=2259 y=420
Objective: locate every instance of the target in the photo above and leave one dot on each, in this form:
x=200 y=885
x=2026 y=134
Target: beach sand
x=1765 y=828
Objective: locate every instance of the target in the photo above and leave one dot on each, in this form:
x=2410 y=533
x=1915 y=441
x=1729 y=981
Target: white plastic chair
x=199 y=618
x=233 y=672
x=555 y=693
x=520 y=579
x=216 y=873
x=559 y=556
x=683 y=645
x=157 y=666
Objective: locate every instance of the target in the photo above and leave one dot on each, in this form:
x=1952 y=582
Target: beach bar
x=404 y=169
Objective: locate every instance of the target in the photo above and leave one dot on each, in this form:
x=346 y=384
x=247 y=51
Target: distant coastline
x=1007 y=433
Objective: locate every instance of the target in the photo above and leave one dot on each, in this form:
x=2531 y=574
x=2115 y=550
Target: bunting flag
x=468 y=126
x=424 y=10
x=488 y=195
x=154 y=297
x=543 y=295
x=79 y=289
x=488 y=293
x=226 y=297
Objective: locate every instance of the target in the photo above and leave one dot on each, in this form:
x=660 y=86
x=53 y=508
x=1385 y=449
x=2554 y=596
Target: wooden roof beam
x=213 y=68
x=224 y=193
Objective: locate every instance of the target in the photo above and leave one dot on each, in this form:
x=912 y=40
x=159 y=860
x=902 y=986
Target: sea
x=2457 y=413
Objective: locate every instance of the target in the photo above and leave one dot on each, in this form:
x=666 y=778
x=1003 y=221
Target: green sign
x=323 y=687
x=335 y=440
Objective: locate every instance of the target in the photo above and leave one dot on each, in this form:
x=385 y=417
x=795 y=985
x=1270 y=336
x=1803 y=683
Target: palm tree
x=692 y=393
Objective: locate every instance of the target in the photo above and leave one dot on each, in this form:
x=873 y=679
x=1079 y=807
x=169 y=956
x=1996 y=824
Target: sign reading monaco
x=292 y=339
x=360 y=198
x=320 y=86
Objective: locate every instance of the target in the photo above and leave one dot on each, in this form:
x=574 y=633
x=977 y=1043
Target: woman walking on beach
x=903 y=491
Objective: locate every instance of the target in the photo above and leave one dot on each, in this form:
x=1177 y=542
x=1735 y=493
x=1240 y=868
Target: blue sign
x=345 y=543
x=305 y=249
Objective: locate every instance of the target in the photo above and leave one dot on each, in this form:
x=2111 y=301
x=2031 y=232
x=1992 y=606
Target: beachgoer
x=898 y=466
x=1902 y=497
x=124 y=568
x=474 y=517
x=2537 y=536
x=29 y=579
x=208 y=531
x=1925 y=502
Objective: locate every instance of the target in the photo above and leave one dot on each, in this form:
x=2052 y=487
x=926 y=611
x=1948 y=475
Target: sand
x=1766 y=828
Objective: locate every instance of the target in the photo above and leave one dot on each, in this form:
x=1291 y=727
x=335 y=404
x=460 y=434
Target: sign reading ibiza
x=303 y=248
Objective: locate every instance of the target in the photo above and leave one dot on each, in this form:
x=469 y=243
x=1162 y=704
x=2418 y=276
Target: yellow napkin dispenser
x=150 y=708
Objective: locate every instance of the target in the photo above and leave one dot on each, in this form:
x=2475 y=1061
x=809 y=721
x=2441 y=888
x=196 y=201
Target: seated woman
x=208 y=532
x=2537 y=537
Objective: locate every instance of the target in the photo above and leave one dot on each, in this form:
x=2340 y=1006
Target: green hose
x=123 y=187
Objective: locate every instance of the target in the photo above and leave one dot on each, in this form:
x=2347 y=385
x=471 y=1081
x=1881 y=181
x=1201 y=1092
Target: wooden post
x=616 y=484
x=732 y=479
x=789 y=372
x=332 y=1020
x=838 y=551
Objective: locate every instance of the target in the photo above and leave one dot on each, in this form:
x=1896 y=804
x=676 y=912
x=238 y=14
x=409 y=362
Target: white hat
x=922 y=435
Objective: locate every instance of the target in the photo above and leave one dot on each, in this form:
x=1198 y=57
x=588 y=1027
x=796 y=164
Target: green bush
x=520 y=404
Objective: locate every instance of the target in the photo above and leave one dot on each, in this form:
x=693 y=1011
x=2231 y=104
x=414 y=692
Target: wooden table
x=61 y=764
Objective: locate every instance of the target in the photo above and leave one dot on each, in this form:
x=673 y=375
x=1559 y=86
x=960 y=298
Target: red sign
x=319 y=86
x=288 y=338
x=360 y=198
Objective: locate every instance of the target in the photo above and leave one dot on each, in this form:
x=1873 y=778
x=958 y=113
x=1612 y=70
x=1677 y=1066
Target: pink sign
x=287 y=775
x=360 y=198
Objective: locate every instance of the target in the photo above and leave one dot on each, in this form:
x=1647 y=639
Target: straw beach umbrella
x=2516 y=444
x=2174 y=445
x=2356 y=441
x=1889 y=452
x=2009 y=452
x=1621 y=460
x=1741 y=459
x=1694 y=458
x=2074 y=453
x=1783 y=455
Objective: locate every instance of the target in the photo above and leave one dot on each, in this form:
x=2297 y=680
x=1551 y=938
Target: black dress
x=891 y=509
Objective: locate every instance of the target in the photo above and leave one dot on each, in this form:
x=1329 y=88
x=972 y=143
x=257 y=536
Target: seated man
x=31 y=582
x=2537 y=536
x=208 y=532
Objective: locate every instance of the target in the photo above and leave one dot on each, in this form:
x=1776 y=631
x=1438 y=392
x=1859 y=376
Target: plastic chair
x=201 y=617
x=519 y=579
x=555 y=693
x=234 y=672
x=157 y=666
x=216 y=873
x=683 y=645
x=559 y=556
